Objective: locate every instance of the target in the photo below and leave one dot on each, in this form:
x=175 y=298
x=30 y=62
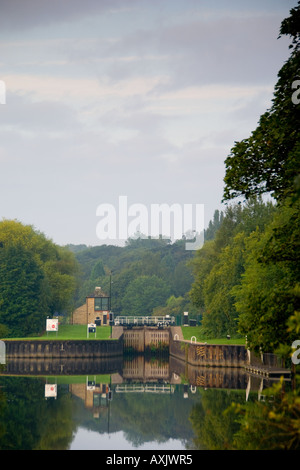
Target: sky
x=142 y=99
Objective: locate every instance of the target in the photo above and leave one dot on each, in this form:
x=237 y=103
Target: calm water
x=138 y=404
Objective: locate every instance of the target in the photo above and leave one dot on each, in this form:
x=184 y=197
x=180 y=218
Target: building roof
x=98 y=292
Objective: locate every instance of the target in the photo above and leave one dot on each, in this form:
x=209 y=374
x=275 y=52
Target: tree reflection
x=214 y=430
x=28 y=421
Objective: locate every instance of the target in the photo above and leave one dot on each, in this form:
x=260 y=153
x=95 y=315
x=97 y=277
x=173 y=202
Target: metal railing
x=144 y=321
x=144 y=388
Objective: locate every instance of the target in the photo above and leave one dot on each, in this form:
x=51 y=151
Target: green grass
x=79 y=332
x=190 y=331
x=71 y=332
x=80 y=379
x=69 y=379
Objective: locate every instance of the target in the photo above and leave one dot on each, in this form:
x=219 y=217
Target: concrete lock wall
x=64 y=349
x=208 y=354
x=210 y=377
x=137 y=340
x=63 y=366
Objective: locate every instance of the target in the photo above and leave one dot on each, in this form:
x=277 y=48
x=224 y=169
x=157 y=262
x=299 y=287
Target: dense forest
x=144 y=277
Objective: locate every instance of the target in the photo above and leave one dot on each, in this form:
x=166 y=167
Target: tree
x=269 y=160
x=174 y=307
x=269 y=292
x=272 y=424
x=98 y=270
x=38 y=277
x=213 y=429
x=218 y=267
x=202 y=264
x=220 y=316
x=144 y=294
x=213 y=225
x=23 y=292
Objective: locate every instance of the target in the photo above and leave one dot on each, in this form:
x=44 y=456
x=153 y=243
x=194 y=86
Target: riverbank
x=70 y=332
x=189 y=332
x=79 y=332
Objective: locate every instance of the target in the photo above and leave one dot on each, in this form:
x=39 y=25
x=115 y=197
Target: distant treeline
x=144 y=277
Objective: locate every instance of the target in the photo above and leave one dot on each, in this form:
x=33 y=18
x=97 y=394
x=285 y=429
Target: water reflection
x=135 y=403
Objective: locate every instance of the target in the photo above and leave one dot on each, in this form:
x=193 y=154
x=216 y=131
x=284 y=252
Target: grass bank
x=190 y=331
x=79 y=332
x=71 y=332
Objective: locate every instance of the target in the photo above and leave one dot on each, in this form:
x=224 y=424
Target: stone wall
x=62 y=366
x=79 y=316
x=64 y=349
x=208 y=354
x=86 y=313
x=210 y=377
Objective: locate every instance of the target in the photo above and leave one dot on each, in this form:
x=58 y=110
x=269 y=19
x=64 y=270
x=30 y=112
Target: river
x=140 y=404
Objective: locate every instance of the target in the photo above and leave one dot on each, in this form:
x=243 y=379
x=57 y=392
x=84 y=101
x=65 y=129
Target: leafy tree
x=98 y=270
x=23 y=291
x=61 y=273
x=214 y=430
x=144 y=294
x=213 y=225
x=269 y=292
x=29 y=422
x=202 y=265
x=174 y=307
x=218 y=267
x=270 y=425
x=220 y=316
x=181 y=279
x=269 y=160
x=38 y=278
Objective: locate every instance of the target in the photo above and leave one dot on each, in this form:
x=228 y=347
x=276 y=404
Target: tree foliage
x=219 y=266
x=247 y=277
x=270 y=291
x=144 y=294
x=37 y=278
x=124 y=267
x=269 y=160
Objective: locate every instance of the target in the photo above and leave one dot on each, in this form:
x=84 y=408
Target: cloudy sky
x=135 y=98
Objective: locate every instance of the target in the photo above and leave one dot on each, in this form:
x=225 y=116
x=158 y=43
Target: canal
x=131 y=403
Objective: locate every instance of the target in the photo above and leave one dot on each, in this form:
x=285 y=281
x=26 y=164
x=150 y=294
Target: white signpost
x=50 y=391
x=2 y=352
x=90 y=384
x=91 y=328
x=52 y=325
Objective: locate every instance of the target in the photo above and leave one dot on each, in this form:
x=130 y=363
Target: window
x=101 y=303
